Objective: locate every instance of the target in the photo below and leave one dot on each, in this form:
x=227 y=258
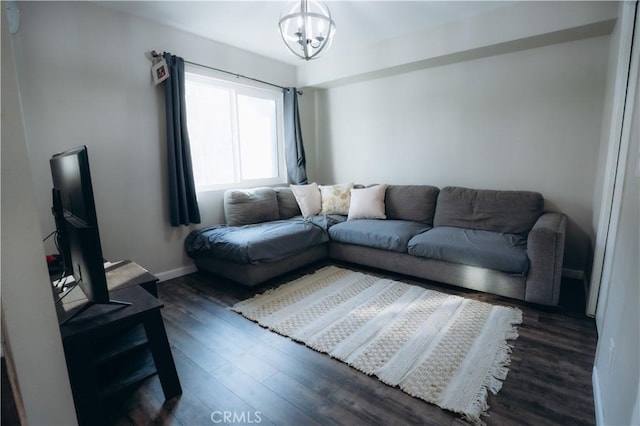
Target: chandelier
x=306 y=28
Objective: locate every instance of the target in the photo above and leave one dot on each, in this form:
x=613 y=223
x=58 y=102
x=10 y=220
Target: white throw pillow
x=368 y=203
x=336 y=198
x=308 y=198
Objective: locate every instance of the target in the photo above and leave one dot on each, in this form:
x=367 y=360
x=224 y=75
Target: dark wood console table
x=109 y=348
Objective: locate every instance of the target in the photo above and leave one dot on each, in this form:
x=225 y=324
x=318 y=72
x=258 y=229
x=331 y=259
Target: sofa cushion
x=287 y=204
x=512 y=212
x=247 y=206
x=263 y=242
x=411 y=202
x=382 y=234
x=326 y=221
x=486 y=249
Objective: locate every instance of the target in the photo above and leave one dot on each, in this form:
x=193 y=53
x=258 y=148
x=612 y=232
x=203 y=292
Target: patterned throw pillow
x=336 y=198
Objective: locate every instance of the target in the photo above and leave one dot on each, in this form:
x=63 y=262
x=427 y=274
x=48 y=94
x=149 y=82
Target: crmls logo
x=232 y=417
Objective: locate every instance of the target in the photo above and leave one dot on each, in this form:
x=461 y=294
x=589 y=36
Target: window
x=235 y=132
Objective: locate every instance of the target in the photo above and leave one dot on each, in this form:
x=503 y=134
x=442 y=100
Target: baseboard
x=175 y=273
x=597 y=397
x=574 y=274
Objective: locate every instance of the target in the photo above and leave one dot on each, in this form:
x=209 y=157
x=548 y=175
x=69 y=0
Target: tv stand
x=108 y=350
x=89 y=305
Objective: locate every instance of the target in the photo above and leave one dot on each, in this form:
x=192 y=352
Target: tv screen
x=71 y=176
x=76 y=222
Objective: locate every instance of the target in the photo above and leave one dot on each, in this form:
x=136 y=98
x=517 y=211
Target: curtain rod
x=155 y=54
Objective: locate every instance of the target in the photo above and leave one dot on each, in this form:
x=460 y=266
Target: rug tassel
x=496 y=374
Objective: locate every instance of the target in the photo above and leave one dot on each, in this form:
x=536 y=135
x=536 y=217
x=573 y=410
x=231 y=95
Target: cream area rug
x=444 y=349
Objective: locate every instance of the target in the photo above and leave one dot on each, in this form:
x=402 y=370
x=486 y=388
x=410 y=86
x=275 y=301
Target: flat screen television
x=76 y=221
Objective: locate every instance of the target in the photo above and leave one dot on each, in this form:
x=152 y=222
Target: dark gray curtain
x=183 y=205
x=294 y=148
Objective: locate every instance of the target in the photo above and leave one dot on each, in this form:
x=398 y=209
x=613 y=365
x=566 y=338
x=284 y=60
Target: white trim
x=597 y=397
x=175 y=273
x=602 y=243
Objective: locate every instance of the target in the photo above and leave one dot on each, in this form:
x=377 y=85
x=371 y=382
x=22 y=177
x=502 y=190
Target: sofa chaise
x=501 y=242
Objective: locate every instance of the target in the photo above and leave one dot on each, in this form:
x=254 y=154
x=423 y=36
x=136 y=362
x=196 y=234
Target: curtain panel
x=294 y=148
x=183 y=204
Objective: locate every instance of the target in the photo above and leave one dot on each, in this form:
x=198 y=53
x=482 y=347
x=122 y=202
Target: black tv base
x=88 y=305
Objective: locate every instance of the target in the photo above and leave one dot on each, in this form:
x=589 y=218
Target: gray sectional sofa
x=501 y=242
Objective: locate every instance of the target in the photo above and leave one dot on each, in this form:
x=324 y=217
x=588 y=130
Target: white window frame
x=206 y=76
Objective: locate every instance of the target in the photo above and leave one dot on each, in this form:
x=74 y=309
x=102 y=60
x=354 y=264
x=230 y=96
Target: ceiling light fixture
x=306 y=28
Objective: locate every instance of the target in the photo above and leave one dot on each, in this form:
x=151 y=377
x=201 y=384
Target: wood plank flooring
x=235 y=372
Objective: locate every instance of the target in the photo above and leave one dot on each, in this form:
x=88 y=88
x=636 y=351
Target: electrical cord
x=49 y=236
x=64 y=263
x=64 y=260
x=67 y=292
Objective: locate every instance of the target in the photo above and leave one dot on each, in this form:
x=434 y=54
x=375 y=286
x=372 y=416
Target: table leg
x=162 y=356
x=84 y=383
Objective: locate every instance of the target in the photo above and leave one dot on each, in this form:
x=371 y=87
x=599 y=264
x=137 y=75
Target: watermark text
x=236 y=417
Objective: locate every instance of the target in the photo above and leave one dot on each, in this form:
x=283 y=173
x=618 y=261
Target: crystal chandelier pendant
x=306 y=28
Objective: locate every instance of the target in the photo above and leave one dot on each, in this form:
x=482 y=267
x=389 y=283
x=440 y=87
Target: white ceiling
x=253 y=25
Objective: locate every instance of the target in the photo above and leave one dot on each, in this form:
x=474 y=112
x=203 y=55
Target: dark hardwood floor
x=235 y=372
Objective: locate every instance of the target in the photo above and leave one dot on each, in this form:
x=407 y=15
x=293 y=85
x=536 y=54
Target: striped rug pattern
x=444 y=349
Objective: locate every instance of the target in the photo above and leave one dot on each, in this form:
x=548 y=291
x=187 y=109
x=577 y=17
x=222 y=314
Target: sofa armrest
x=545 y=248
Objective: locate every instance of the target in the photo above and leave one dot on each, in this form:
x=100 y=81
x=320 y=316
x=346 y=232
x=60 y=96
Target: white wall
x=30 y=328
x=510 y=26
x=612 y=110
x=616 y=373
x=84 y=79
x=617 y=369
x=608 y=159
x=527 y=120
